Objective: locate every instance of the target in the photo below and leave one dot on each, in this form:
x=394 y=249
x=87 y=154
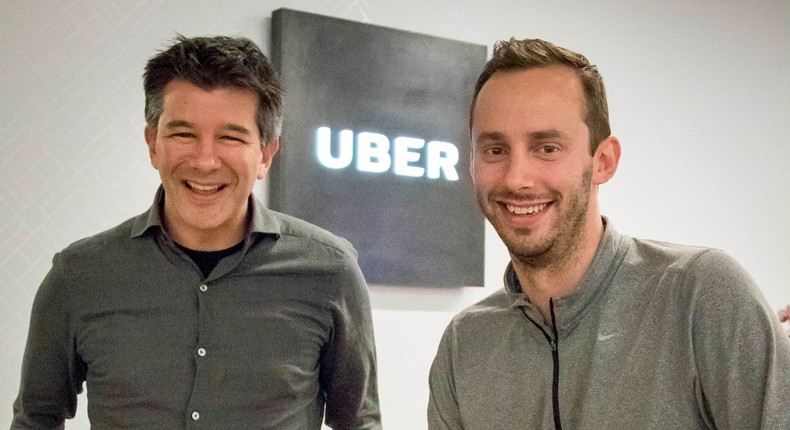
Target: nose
x=520 y=172
x=205 y=157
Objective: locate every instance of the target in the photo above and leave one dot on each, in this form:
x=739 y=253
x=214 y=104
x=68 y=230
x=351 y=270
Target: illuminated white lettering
x=442 y=157
x=403 y=156
x=373 y=153
x=323 y=148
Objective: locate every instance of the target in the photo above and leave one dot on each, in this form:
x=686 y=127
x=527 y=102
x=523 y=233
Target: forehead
x=184 y=98
x=537 y=92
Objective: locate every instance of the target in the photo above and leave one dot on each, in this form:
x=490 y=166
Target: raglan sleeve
x=443 y=411
x=348 y=364
x=741 y=353
x=52 y=373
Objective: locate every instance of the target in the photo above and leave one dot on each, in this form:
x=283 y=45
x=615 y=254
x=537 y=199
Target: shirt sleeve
x=443 y=412
x=348 y=363
x=742 y=357
x=52 y=373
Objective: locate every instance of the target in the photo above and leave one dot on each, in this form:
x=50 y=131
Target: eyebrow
x=178 y=123
x=489 y=135
x=236 y=128
x=533 y=136
x=228 y=127
x=545 y=134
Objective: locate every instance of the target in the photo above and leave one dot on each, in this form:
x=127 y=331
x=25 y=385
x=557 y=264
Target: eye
x=495 y=151
x=550 y=149
x=232 y=139
x=492 y=153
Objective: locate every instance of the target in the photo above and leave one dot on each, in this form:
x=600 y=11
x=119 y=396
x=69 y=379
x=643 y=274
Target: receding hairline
x=572 y=75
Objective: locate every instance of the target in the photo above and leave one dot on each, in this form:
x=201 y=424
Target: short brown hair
x=533 y=53
x=213 y=62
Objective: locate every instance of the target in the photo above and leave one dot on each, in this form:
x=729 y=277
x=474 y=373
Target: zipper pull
x=553 y=345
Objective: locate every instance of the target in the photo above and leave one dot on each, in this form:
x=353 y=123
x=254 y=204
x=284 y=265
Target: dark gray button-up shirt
x=274 y=335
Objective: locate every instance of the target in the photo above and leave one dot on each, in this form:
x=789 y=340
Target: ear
x=150 y=140
x=606 y=160
x=267 y=155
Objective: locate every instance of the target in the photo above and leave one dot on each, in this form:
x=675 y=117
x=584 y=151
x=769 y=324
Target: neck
x=215 y=238
x=209 y=241
x=561 y=277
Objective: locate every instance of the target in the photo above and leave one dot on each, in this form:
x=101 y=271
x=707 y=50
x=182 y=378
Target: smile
x=204 y=188
x=526 y=210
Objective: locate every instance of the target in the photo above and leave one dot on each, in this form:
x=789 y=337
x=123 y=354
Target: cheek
x=488 y=177
x=168 y=157
x=479 y=171
x=160 y=160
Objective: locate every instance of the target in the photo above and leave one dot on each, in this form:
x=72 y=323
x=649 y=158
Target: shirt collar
x=263 y=220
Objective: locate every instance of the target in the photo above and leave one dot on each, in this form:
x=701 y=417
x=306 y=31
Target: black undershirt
x=208 y=260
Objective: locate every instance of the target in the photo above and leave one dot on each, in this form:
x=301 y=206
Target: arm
x=348 y=364
x=52 y=374
x=443 y=412
x=742 y=357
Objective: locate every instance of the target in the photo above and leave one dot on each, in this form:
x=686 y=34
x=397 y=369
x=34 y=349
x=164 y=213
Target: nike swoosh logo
x=602 y=337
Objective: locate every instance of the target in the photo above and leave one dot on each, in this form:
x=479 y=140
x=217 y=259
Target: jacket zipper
x=555 y=356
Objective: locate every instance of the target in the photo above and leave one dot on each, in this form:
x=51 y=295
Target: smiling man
x=208 y=310
x=593 y=329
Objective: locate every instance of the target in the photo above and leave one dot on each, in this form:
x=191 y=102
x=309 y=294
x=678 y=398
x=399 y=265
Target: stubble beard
x=557 y=248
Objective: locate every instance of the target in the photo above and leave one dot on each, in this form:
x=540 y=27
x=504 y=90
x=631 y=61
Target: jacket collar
x=571 y=308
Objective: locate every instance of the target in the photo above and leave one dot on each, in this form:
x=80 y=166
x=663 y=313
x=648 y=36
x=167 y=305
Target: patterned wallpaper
x=699 y=95
x=72 y=158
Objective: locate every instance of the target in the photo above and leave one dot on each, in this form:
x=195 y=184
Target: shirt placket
x=197 y=413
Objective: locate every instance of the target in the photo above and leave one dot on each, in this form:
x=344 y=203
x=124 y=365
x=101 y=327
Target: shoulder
x=709 y=282
x=494 y=303
x=311 y=239
x=692 y=261
x=700 y=270
x=76 y=267
x=477 y=335
x=103 y=244
x=305 y=252
x=484 y=316
x=653 y=258
x=659 y=254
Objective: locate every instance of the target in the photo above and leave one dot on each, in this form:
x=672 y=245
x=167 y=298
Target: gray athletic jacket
x=657 y=336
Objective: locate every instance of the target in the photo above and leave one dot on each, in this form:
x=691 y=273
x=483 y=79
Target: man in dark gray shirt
x=208 y=310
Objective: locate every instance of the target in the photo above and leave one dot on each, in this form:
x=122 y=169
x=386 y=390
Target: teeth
x=199 y=187
x=529 y=210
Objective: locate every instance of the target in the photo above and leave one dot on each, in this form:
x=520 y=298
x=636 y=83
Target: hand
x=784 y=314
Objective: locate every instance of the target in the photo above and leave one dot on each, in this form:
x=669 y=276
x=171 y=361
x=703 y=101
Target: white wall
x=699 y=95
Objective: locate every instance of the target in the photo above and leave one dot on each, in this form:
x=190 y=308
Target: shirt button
x=195 y=416
x=201 y=352
x=203 y=288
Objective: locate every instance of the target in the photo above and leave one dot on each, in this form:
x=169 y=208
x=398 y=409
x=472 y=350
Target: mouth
x=204 y=188
x=526 y=210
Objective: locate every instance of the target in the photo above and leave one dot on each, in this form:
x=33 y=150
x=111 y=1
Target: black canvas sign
x=375 y=145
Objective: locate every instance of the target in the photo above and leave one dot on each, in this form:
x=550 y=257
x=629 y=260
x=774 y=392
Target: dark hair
x=212 y=62
x=533 y=53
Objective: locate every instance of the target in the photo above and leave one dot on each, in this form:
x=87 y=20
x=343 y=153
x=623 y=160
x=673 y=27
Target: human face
x=531 y=163
x=208 y=151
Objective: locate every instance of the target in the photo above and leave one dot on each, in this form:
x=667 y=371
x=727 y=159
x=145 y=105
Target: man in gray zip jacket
x=593 y=329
